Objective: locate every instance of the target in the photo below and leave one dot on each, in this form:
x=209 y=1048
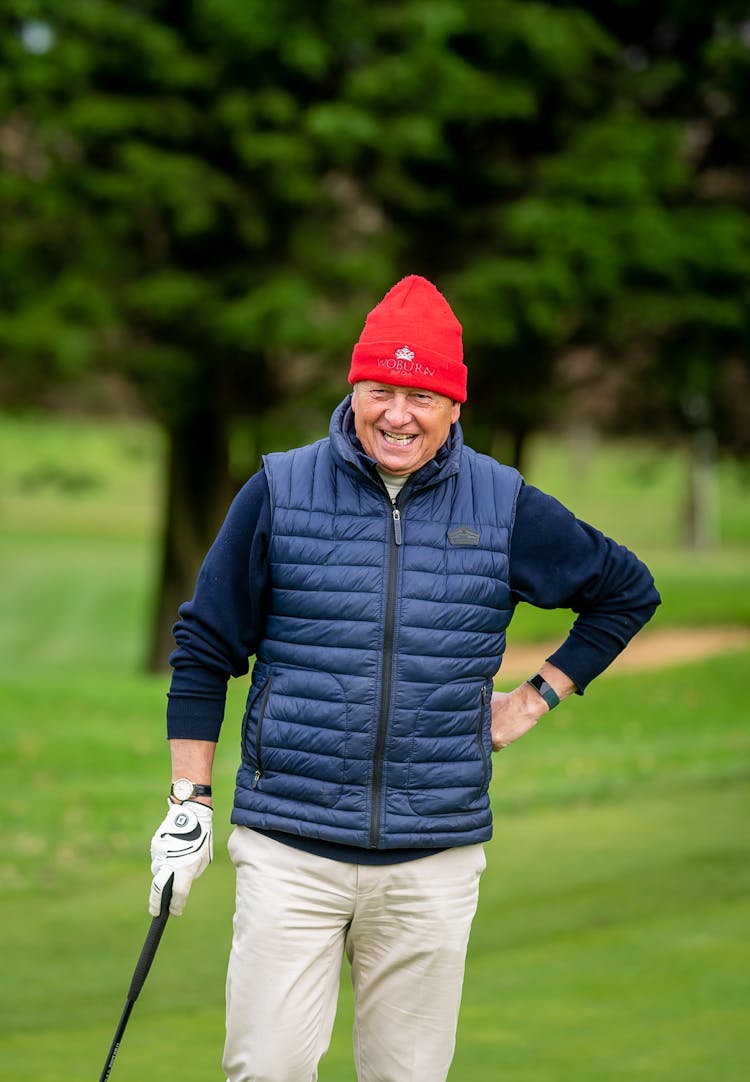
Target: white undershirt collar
x=393 y=482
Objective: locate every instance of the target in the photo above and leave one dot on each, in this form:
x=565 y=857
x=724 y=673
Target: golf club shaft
x=114 y=1047
x=142 y=967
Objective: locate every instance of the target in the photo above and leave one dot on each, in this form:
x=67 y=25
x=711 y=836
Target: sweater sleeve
x=219 y=629
x=558 y=561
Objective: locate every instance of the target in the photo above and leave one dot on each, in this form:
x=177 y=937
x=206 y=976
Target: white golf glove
x=182 y=845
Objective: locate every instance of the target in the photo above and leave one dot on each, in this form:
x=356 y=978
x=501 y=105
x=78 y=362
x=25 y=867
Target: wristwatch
x=184 y=789
x=546 y=690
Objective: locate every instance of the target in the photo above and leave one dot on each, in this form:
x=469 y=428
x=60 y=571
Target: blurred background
x=199 y=203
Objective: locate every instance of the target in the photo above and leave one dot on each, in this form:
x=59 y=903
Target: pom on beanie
x=412 y=339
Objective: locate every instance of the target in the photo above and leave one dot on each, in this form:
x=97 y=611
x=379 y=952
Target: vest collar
x=350 y=456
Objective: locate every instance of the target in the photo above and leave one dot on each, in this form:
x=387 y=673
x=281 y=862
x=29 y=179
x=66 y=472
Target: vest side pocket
x=252 y=730
x=449 y=764
x=295 y=742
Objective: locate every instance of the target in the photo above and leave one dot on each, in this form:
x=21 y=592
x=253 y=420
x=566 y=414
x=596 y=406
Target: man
x=373 y=575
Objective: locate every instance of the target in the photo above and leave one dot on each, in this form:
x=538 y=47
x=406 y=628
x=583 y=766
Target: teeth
x=391 y=438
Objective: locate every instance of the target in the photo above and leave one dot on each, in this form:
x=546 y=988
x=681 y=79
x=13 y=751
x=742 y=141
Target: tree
x=162 y=196
x=207 y=196
x=672 y=352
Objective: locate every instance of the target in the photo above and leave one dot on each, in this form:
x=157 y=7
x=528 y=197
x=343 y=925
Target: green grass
x=76 y=478
x=79 y=505
x=611 y=940
x=635 y=490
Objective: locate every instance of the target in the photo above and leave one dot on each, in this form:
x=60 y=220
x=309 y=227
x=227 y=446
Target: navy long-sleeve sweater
x=556 y=561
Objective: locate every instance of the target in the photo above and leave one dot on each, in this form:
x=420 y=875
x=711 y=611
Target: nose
x=398 y=412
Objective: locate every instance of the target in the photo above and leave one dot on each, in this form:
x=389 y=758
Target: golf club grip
x=148 y=951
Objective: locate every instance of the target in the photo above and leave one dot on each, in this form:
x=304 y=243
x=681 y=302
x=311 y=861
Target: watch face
x=182 y=788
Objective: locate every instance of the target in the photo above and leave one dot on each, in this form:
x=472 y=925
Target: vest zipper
x=480 y=730
x=259 y=735
x=386 y=683
x=396 y=525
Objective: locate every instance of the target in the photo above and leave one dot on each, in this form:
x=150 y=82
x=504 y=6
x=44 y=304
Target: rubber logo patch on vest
x=463 y=535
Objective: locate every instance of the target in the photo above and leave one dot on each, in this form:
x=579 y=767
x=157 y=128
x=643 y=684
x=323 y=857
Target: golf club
x=143 y=965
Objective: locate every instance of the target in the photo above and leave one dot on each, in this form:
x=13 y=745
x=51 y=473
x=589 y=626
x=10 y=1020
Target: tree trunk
x=701 y=510
x=199 y=490
x=506 y=447
x=520 y=437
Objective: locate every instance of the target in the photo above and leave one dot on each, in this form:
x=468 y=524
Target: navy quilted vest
x=368 y=717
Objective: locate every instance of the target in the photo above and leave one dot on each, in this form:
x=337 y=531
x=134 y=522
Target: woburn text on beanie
x=412 y=339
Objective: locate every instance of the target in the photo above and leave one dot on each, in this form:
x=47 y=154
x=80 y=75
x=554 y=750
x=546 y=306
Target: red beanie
x=412 y=339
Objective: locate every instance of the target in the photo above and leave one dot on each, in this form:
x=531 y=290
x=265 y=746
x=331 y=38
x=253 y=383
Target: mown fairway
x=612 y=937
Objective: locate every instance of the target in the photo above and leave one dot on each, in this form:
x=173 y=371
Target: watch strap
x=546 y=690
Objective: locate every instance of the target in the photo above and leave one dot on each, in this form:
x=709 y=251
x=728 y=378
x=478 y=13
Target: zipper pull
x=256 y=779
x=396 y=525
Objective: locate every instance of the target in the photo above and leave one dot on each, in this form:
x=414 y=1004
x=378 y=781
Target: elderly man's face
x=402 y=428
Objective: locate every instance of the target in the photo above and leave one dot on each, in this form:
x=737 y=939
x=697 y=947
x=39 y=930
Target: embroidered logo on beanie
x=412 y=312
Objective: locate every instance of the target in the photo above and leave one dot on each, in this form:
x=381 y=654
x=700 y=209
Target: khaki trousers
x=404 y=928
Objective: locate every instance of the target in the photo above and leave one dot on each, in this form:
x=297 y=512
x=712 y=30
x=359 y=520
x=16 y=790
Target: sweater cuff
x=582 y=661
x=580 y=668
x=190 y=718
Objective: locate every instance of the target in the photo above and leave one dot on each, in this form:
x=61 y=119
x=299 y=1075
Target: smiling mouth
x=391 y=437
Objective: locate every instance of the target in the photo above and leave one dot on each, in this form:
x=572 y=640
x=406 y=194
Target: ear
x=455 y=411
